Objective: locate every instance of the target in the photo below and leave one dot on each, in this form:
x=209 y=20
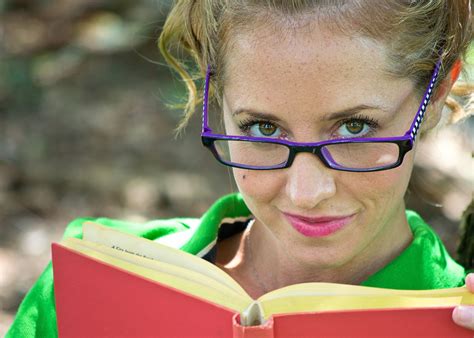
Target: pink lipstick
x=318 y=226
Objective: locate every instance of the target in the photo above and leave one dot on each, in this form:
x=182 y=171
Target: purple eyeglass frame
x=405 y=143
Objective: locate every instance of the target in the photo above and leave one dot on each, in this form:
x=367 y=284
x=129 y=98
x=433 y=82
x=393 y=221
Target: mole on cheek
x=243 y=177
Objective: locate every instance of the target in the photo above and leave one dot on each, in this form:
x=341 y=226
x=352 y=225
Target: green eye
x=357 y=126
x=260 y=128
x=354 y=127
x=266 y=129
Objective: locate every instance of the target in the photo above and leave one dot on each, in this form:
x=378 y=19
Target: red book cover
x=95 y=299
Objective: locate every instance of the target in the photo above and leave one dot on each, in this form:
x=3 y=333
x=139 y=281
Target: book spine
x=264 y=330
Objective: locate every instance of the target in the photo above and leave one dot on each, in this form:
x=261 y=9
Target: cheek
x=383 y=188
x=260 y=186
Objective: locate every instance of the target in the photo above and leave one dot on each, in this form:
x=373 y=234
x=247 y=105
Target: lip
x=318 y=226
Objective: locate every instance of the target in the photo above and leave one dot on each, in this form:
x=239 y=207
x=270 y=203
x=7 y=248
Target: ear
x=438 y=100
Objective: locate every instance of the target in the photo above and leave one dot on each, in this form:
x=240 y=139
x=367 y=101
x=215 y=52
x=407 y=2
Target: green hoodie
x=425 y=264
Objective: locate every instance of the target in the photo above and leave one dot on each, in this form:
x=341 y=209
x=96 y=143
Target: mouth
x=318 y=226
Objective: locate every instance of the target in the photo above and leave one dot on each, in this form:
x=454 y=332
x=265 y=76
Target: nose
x=309 y=182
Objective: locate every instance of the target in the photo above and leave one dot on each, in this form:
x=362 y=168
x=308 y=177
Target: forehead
x=302 y=66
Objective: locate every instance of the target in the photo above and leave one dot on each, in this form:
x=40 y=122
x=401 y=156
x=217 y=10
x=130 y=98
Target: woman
x=330 y=96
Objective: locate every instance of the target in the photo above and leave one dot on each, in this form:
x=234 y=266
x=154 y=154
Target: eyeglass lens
x=364 y=155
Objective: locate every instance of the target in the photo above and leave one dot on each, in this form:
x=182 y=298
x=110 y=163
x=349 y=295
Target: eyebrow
x=354 y=110
x=254 y=113
x=331 y=116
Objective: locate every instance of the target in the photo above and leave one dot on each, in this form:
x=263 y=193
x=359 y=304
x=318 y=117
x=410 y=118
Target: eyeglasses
x=346 y=154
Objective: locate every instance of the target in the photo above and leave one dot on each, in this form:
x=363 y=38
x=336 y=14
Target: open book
x=111 y=283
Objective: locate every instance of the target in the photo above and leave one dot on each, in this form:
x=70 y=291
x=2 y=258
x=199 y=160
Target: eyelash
x=369 y=121
x=373 y=124
x=246 y=124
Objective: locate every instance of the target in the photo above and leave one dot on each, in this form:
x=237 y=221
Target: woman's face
x=292 y=86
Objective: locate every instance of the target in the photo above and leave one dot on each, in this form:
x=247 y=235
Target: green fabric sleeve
x=36 y=316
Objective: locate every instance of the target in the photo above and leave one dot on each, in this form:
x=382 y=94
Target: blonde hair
x=414 y=31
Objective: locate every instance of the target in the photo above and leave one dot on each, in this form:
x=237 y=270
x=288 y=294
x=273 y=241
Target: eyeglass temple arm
x=415 y=126
x=205 y=126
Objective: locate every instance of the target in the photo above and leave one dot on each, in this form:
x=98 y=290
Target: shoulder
x=179 y=232
x=424 y=264
x=425 y=237
x=153 y=230
x=438 y=266
x=36 y=315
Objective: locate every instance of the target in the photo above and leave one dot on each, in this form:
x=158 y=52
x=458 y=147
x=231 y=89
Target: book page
x=309 y=297
x=143 y=247
x=190 y=282
x=338 y=303
x=173 y=270
x=326 y=289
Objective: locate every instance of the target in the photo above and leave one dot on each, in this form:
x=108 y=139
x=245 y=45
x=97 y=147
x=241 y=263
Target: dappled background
x=84 y=131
